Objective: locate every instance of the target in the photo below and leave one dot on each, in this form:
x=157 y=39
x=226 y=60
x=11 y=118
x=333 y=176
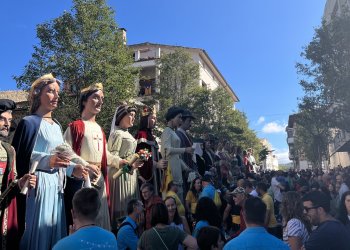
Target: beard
x=4 y=133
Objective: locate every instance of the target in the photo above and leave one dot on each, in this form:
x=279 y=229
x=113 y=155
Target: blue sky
x=254 y=43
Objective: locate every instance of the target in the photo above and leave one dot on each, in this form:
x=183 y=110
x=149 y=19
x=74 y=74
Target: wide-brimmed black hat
x=188 y=114
x=173 y=112
x=6 y=104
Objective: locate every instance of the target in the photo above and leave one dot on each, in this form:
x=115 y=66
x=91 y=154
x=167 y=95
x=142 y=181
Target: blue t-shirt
x=127 y=237
x=255 y=238
x=200 y=224
x=208 y=191
x=88 y=238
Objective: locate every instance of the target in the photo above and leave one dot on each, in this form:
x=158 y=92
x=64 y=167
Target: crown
x=146 y=110
x=95 y=86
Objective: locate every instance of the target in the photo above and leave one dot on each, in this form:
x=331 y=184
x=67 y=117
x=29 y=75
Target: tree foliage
x=264 y=152
x=312 y=137
x=81 y=47
x=213 y=109
x=326 y=85
x=326 y=74
x=179 y=74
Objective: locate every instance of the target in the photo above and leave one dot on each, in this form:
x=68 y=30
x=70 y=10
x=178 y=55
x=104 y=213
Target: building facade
x=147 y=54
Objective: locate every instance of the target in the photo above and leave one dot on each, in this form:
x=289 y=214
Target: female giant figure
x=36 y=137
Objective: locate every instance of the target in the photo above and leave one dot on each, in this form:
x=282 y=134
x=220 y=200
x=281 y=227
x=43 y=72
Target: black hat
x=188 y=114
x=6 y=104
x=172 y=112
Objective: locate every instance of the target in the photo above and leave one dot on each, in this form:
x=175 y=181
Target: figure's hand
x=189 y=150
x=57 y=160
x=161 y=164
x=31 y=181
x=94 y=171
x=80 y=172
x=137 y=164
x=122 y=162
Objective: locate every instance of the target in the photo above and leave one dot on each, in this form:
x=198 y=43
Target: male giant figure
x=10 y=187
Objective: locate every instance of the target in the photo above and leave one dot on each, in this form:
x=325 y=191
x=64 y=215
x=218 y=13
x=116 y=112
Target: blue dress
x=45 y=215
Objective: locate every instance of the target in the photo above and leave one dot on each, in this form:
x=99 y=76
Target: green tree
x=213 y=109
x=82 y=47
x=326 y=74
x=312 y=137
x=179 y=74
x=264 y=152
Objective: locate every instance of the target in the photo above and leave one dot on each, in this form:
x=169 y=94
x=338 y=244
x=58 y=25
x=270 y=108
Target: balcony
x=290 y=140
x=341 y=142
x=147 y=87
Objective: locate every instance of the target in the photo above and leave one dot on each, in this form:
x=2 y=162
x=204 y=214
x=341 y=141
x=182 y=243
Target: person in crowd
x=249 y=188
x=208 y=187
x=252 y=160
x=296 y=226
x=171 y=149
x=302 y=185
x=150 y=200
x=128 y=233
x=162 y=236
x=343 y=214
x=277 y=188
x=207 y=214
x=210 y=238
x=344 y=186
x=224 y=174
x=208 y=154
x=270 y=219
x=255 y=237
x=172 y=192
x=10 y=186
x=333 y=194
x=36 y=137
x=192 y=197
x=122 y=144
x=84 y=233
x=332 y=191
x=247 y=164
x=149 y=172
x=239 y=197
x=175 y=218
x=88 y=141
x=330 y=233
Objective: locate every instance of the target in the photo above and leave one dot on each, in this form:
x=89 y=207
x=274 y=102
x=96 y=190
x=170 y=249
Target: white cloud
x=282 y=155
x=273 y=127
x=260 y=120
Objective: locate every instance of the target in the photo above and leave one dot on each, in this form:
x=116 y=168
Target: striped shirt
x=295 y=228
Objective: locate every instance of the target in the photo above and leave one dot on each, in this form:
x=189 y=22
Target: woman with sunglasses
x=35 y=139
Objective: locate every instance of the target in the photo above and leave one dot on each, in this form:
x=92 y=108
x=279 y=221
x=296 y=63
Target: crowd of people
x=82 y=190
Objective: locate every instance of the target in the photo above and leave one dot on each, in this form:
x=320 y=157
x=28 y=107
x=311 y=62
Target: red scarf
x=77 y=129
